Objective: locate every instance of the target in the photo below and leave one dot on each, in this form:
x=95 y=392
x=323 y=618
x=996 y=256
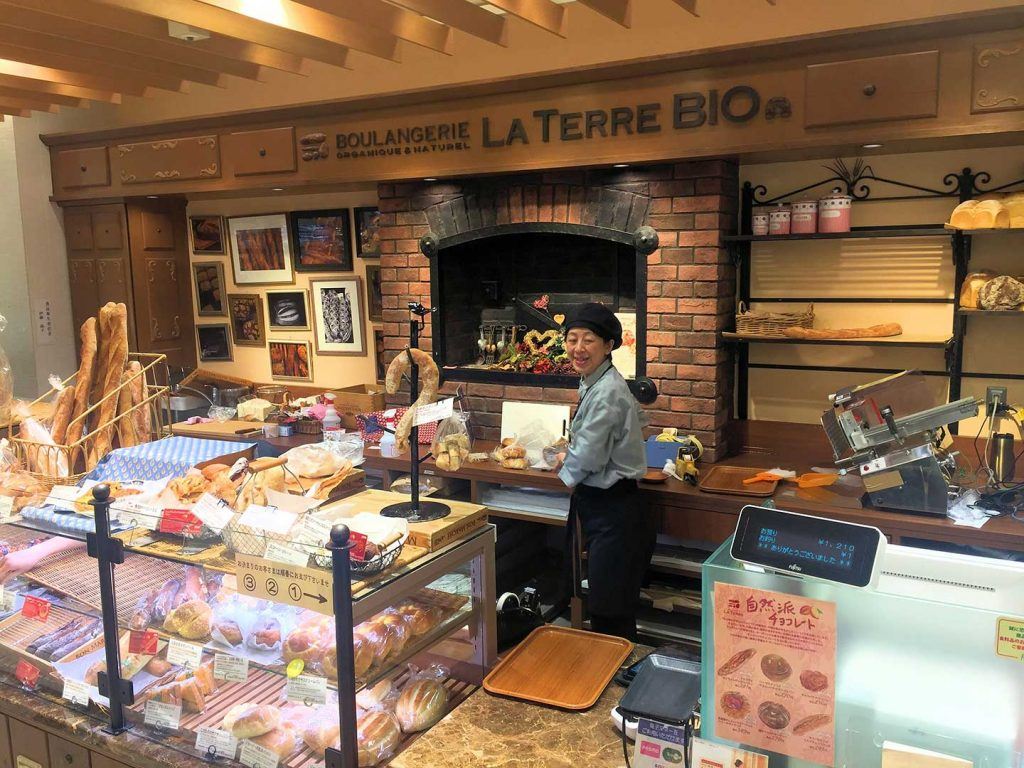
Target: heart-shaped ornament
x=559 y=319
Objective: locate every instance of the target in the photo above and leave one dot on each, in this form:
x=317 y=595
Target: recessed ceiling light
x=871 y=146
x=152 y=197
x=430 y=178
x=277 y=189
x=621 y=165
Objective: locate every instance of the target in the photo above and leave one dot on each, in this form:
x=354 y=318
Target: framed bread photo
x=338 y=315
x=246 y=313
x=288 y=310
x=207 y=234
x=214 y=343
x=260 y=250
x=367 y=232
x=209 y=282
x=322 y=240
x=291 y=361
x=374 y=298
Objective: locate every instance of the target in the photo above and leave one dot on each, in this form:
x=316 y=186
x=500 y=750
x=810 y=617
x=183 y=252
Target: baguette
x=114 y=357
x=871 y=332
x=62 y=414
x=126 y=437
x=83 y=385
x=141 y=416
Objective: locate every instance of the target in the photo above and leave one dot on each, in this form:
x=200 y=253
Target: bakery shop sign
x=684 y=111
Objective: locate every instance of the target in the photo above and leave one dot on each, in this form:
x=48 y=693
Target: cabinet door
x=65 y=754
x=29 y=744
x=113 y=282
x=84 y=301
x=108 y=229
x=248 y=153
x=6 y=761
x=77 y=168
x=78 y=228
x=102 y=761
x=157 y=231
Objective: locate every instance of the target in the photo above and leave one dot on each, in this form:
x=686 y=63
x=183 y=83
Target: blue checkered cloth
x=48 y=518
x=170 y=457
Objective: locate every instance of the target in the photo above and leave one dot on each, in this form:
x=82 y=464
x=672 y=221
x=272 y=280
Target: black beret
x=599 y=319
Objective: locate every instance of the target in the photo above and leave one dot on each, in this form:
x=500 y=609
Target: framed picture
x=246 y=313
x=214 y=343
x=322 y=241
x=338 y=311
x=260 y=250
x=374 y=299
x=291 y=360
x=288 y=310
x=378 y=353
x=367 y=232
x=207 y=233
x=209 y=277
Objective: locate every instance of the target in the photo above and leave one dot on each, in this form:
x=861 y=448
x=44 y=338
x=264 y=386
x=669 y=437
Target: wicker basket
x=751 y=323
x=309 y=426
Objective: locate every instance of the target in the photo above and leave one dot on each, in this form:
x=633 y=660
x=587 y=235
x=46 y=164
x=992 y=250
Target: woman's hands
x=17 y=563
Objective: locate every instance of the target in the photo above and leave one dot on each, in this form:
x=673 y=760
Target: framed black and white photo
x=367 y=232
x=260 y=250
x=338 y=312
x=322 y=240
x=214 y=343
x=288 y=310
x=207 y=233
x=209 y=281
x=374 y=298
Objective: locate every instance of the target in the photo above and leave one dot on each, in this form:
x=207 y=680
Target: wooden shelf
x=888 y=341
x=856 y=233
x=988 y=231
x=966 y=312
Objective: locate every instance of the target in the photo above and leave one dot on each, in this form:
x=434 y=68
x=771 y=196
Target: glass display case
x=928 y=659
x=227 y=638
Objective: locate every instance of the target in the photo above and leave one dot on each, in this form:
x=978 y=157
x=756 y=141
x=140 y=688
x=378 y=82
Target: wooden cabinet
x=77 y=168
x=78 y=228
x=65 y=754
x=108 y=229
x=6 y=760
x=29 y=744
x=248 y=153
x=867 y=90
x=178 y=159
x=157 y=231
x=102 y=761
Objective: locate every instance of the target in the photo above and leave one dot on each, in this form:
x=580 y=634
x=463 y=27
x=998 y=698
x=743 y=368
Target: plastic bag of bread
x=972 y=287
x=423 y=700
x=1003 y=292
x=510 y=454
x=452 y=443
x=378 y=734
x=314 y=461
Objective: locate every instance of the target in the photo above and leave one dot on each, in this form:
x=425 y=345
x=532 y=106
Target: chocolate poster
x=775 y=668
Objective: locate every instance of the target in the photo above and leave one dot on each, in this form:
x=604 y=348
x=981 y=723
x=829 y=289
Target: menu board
x=775 y=657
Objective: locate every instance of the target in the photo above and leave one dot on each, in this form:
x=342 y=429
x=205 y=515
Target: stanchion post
x=348 y=755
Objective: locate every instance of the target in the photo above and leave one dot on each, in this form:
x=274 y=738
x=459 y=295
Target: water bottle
x=387 y=442
x=331 y=421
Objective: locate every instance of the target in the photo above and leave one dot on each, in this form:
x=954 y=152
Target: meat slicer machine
x=891 y=432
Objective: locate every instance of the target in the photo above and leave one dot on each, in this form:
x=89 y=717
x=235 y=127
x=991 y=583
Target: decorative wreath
x=541 y=343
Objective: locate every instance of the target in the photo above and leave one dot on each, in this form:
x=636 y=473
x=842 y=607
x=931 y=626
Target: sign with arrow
x=286 y=584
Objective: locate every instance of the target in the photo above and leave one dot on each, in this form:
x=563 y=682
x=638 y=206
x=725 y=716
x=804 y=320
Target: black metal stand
x=348 y=755
x=109 y=551
x=414 y=510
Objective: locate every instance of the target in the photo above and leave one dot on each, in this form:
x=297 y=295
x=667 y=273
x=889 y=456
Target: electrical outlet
x=993 y=394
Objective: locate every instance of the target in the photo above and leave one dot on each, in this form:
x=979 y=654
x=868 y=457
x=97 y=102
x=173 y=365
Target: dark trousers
x=619 y=537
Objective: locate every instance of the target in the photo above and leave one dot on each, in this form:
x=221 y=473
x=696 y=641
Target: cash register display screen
x=803 y=545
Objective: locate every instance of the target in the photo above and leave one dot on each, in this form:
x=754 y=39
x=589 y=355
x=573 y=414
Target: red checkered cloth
x=371 y=427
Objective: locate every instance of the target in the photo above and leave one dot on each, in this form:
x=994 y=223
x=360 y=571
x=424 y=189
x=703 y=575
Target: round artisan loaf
x=1003 y=292
x=378 y=735
x=422 y=703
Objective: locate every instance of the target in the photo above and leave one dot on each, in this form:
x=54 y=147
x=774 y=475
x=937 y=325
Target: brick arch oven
x=646 y=241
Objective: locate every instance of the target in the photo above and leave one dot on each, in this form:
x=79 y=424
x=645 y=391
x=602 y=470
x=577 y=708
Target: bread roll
x=379 y=637
x=422 y=703
x=323 y=734
x=1003 y=292
x=304 y=643
x=62 y=414
x=378 y=735
x=400 y=631
x=972 y=286
x=281 y=741
x=192 y=620
x=375 y=697
x=83 y=384
x=245 y=721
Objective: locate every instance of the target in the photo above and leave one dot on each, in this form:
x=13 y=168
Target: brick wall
x=690 y=279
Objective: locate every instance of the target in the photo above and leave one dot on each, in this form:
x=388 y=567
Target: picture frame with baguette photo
x=207 y=235
x=322 y=240
x=246 y=313
x=214 y=343
x=291 y=360
x=261 y=250
x=367 y=232
x=288 y=310
x=340 y=328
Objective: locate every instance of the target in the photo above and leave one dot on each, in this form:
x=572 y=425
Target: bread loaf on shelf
x=422 y=703
x=980 y=214
x=871 y=332
x=1003 y=292
x=378 y=735
x=244 y=721
x=113 y=325
x=971 y=288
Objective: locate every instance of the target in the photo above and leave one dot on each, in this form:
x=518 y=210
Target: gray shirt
x=607 y=442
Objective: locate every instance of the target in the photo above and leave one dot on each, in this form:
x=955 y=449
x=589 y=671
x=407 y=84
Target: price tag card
x=179 y=522
x=280 y=553
x=7 y=599
x=6 y=508
x=268 y=519
x=426 y=414
x=142 y=642
x=255 y=756
x=214 y=742
x=214 y=513
x=232 y=668
x=63 y=497
x=306 y=689
x=35 y=608
x=131 y=511
x=27 y=674
x=161 y=715
x=315 y=531
x=184 y=654
x=76 y=692
x=358 y=551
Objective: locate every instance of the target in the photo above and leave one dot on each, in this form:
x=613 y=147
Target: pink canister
x=834 y=213
x=779 y=220
x=759 y=224
x=804 y=220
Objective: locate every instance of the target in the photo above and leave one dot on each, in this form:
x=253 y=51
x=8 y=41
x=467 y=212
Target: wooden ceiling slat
x=51 y=98
x=32 y=15
x=154 y=28
x=36 y=85
x=70 y=77
x=239 y=26
x=36 y=105
x=87 y=67
x=14 y=111
x=545 y=14
x=619 y=11
x=51 y=44
x=400 y=22
x=464 y=17
x=691 y=5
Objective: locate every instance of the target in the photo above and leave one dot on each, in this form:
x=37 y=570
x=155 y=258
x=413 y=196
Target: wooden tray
x=560 y=667
x=726 y=479
x=233 y=429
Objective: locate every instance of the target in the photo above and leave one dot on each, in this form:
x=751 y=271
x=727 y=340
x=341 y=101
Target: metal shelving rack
x=960 y=187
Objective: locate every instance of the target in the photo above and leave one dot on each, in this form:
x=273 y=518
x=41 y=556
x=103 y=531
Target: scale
x=801 y=545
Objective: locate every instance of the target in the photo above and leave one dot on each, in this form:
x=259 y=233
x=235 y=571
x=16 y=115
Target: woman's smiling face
x=586 y=350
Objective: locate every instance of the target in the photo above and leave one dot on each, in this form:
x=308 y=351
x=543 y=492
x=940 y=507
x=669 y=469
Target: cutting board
x=218 y=430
